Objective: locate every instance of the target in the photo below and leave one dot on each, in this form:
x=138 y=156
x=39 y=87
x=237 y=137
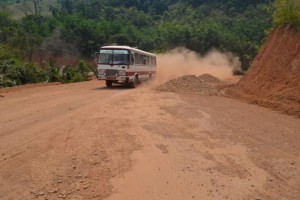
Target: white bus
x=125 y=65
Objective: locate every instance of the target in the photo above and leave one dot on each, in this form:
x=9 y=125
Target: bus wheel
x=108 y=84
x=134 y=82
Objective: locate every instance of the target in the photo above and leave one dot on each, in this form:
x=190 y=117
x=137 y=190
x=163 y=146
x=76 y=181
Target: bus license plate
x=111 y=78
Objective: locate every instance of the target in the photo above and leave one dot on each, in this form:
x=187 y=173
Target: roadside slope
x=273 y=79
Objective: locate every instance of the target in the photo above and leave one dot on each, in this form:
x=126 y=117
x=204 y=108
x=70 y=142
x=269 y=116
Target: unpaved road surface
x=83 y=141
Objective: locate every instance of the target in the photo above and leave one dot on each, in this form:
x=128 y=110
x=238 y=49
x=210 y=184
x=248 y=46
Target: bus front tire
x=108 y=84
x=134 y=82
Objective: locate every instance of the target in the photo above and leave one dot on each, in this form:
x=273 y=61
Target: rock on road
x=83 y=141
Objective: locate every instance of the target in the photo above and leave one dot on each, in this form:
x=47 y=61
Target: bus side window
x=141 y=59
x=148 y=61
x=132 y=59
x=145 y=60
x=136 y=58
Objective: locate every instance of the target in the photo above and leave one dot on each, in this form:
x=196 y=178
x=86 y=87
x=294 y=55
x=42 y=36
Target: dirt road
x=83 y=141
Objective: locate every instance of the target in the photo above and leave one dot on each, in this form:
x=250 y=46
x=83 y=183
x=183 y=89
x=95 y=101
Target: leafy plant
x=76 y=74
x=53 y=73
x=5 y=82
x=14 y=72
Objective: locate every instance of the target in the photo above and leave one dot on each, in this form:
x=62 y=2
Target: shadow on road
x=114 y=87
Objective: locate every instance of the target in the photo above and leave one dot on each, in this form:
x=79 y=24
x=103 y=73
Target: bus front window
x=114 y=57
x=106 y=56
x=121 y=57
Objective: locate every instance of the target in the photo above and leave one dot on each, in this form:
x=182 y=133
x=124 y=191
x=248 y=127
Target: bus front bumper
x=123 y=79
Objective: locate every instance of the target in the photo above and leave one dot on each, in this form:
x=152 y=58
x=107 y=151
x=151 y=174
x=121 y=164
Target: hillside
x=273 y=79
x=156 y=25
x=15 y=7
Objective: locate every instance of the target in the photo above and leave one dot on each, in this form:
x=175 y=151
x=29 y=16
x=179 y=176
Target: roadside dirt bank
x=273 y=79
x=83 y=141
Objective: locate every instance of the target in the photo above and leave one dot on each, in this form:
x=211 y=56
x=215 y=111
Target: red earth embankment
x=273 y=79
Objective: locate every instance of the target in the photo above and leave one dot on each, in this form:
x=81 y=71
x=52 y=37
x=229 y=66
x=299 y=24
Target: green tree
x=7 y=26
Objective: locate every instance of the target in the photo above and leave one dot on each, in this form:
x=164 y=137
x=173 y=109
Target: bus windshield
x=114 y=57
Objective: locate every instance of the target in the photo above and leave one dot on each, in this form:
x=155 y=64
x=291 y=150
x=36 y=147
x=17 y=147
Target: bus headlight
x=122 y=73
x=101 y=71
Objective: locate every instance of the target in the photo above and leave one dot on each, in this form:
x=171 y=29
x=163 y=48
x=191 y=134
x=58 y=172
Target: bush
x=5 y=82
x=83 y=67
x=14 y=72
x=76 y=74
x=53 y=73
x=71 y=75
x=287 y=12
x=29 y=73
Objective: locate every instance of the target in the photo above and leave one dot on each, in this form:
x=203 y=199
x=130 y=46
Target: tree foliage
x=159 y=25
x=152 y=25
x=287 y=12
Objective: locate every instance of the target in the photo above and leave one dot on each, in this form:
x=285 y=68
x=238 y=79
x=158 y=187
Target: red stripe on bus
x=139 y=73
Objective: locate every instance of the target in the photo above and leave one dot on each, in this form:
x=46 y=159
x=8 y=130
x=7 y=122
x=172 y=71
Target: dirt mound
x=191 y=84
x=273 y=79
x=210 y=79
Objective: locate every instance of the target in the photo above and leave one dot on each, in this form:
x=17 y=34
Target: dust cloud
x=181 y=61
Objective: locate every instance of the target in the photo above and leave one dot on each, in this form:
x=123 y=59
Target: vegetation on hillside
x=287 y=12
x=151 y=25
x=14 y=72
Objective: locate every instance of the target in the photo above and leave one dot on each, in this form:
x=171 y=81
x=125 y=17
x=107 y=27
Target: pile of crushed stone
x=210 y=79
x=191 y=84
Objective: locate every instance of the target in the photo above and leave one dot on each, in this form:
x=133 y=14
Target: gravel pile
x=210 y=79
x=191 y=84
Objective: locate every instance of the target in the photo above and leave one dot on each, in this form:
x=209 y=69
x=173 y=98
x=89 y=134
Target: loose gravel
x=191 y=84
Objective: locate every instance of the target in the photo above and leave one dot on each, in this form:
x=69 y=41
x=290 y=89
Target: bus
x=125 y=65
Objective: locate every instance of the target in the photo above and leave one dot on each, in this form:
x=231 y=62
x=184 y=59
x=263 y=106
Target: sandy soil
x=83 y=141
